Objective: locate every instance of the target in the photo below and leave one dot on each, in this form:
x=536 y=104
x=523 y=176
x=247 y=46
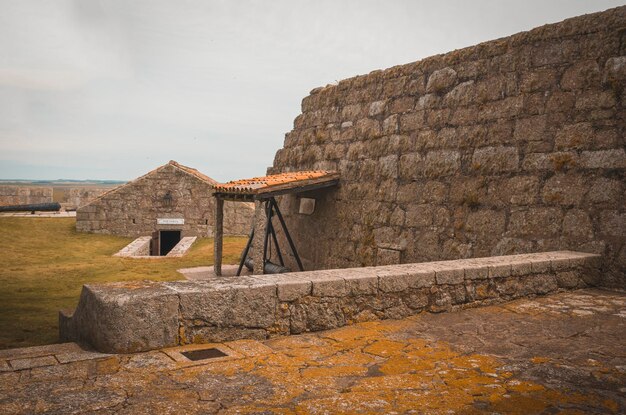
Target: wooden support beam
x=218 y=236
x=260 y=223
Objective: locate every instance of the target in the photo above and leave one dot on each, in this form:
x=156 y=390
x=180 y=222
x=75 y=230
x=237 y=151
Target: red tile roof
x=276 y=182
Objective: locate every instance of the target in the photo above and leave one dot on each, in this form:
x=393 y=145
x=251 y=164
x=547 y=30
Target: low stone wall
x=138 y=247
x=182 y=247
x=20 y=195
x=131 y=317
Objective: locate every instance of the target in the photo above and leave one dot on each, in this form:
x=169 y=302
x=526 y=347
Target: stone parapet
x=131 y=317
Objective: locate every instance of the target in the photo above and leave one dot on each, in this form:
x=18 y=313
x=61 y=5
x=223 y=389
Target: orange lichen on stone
x=384 y=348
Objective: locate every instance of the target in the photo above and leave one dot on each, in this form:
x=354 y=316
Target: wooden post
x=218 y=236
x=260 y=220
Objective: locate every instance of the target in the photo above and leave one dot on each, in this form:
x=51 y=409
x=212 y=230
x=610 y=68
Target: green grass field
x=44 y=263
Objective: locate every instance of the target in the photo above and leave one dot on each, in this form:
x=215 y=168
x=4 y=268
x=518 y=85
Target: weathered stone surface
x=113 y=318
x=522 y=124
x=581 y=75
x=441 y=163
x=491 y=160
x=441 y=79
x=23 y=195
x=525 y=356
x=564 y=189
x=126 y=317
x=170 y=191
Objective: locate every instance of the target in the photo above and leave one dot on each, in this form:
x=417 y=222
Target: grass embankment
x=45 y=262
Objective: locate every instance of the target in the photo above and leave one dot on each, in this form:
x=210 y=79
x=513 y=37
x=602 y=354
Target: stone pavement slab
x=563 y=353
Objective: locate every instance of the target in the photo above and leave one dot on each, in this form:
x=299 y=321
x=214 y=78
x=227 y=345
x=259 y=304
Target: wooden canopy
x=265 y=187
x=262 y=191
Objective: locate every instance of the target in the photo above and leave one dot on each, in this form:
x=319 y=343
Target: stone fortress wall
x=133 y=209
x=511 y=146
x=23 y=195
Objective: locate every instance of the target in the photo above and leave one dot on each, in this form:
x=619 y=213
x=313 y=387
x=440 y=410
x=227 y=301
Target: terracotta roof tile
x=274 y=182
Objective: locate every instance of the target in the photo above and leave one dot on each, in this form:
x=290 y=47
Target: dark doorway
x=168 y=240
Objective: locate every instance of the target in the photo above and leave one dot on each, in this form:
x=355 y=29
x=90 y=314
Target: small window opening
x=203 y=354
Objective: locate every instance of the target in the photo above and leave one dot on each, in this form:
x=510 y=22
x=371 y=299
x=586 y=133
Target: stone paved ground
x=560 y=354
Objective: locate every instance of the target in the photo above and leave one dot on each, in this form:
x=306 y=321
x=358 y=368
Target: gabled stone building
x=172 y=199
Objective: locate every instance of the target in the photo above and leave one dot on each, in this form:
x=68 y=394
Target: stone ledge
x=131 y=317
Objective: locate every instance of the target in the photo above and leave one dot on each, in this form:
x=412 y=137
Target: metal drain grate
x=203 y=354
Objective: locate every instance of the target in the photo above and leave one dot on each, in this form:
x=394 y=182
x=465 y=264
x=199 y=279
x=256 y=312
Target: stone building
x=171 y=201
x=511 y=146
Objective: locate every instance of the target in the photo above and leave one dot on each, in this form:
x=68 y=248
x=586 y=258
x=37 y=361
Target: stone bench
x=139 y=316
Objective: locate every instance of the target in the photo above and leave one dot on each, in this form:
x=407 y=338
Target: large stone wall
x=21 y=195
x=131 y=317
x=511 y=146
x=133 y=209
x=75 y=197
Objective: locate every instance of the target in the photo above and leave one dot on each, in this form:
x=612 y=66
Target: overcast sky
x=112 y=89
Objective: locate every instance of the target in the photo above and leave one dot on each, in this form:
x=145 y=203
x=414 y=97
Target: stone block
x=462 y=94
x=543 y=283
x=595 y=99
x=490 y=160
x=564 y=189
x=441 y=163
x=419 y=215
x=315 y=316
x=409 y=166
x=331 y=286
x=615 y=69
x=385 y=256
x=613 y=223
x=540 y=265
x=520 y=268
x=291 y=290
x=500 y=270
x=417 y=299
x=450 y=276
x=365 y=283
x=603 y=159
x=486 y=223
x=577 y=225
x=411 y=121
x=476 y=271
x=538 y=80
x=575 y=136
x=368 y=128
x=124 y=317
x=581 y=75
x=391 y=280
x=377 y=108
x=539 y=221
x=421 y=277
x=441 y=79
x=568 y=279
x=31 y=362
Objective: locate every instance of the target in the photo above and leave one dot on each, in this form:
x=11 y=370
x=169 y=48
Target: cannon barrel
x=269 y=268
x=47 y=207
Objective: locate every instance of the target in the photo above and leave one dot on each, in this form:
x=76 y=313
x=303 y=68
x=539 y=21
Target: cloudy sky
x=110 y=89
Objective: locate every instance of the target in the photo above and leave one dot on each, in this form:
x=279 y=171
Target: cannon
x=42 y=207
x=269 y=268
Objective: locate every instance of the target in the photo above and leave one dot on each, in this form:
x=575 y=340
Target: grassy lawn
x=44 y=263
